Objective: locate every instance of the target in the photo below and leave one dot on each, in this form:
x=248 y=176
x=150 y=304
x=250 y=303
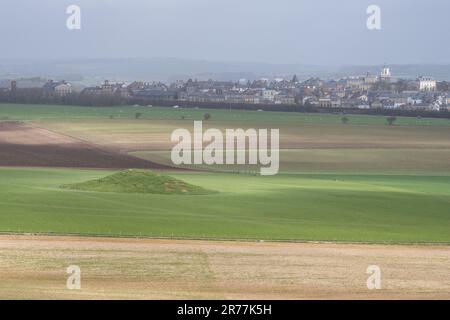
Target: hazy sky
x=325 y=32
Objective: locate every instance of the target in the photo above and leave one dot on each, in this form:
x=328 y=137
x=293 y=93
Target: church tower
x=385 y=74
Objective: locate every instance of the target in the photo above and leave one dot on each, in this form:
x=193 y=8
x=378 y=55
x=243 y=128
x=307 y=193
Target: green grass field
x=368 y=208
x=344 y=161
x=45 y=112
x=363 y=182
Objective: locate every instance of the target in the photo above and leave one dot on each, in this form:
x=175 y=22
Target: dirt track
x=23 y=145
x=35 y=267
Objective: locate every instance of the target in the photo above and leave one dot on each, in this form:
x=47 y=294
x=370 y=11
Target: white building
x=426 y=84
x=269 y=94
x=60 y=88
x=385 y=74
x=63 y=89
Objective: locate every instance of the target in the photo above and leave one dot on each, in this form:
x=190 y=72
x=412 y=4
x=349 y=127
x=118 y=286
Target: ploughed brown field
x=24 y=145
x=35 y=267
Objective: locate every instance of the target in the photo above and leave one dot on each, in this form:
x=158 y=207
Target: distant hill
x=169 y=69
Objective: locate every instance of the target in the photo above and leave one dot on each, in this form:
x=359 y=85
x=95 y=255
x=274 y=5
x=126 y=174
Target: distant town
x=376 y=92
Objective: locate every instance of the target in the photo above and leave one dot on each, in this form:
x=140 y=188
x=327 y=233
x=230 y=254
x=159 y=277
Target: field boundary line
x=216 y=239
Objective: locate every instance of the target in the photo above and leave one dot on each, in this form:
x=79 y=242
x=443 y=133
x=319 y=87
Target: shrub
x=391 y=119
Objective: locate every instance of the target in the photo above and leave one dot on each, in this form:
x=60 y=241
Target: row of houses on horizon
x=364 y=92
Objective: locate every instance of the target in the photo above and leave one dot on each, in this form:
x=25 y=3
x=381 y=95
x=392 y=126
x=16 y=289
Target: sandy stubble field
x=35 y=267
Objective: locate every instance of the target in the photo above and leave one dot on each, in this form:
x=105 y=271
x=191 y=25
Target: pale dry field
x=304 y=147
x=154 y=135
x=34 y=267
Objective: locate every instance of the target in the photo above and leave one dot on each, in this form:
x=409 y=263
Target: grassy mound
x=138 y=181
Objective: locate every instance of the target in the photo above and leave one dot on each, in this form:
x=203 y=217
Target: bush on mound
x=138 y=181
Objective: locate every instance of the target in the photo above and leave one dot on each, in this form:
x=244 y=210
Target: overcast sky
x=323 y=32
